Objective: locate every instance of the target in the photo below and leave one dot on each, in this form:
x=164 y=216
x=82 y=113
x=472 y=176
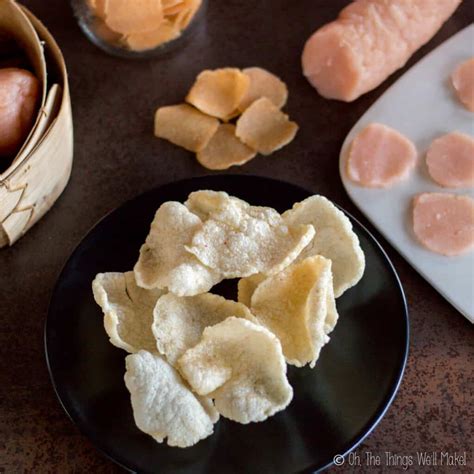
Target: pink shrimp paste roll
x=370 y=40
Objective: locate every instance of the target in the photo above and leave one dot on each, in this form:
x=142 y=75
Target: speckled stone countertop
x=117 y=157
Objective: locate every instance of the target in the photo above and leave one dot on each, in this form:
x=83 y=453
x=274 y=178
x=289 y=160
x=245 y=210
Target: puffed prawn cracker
x=224 y=150
x=298 y=306
x=264 y=127
x=178 y=322
x=241 y=366
x=164 y=263
x=247 y=286
x=239 y=240
x=163 y=404
x=165 y=31
x=334 y=239
x=264 y=84
x=133 y=16
x=185 y=126
x=206 y=203
x=218 y=92
x=128 y=310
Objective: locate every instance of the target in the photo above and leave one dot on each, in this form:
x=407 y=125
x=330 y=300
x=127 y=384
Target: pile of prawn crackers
x=143 y=25
x=196 y=356
x=252 y=96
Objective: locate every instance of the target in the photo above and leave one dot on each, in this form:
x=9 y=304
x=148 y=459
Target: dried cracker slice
x=241 y=366
x=225 y=150
x=179 y=321
x=219 y=92
x=264 y=127
x=334 y=239
x=187 y=13
x=164 y=262
x=98 y=7
x=163 y=404
x=163 y=33
x=172 y=7
x=133 y=16
x=171 y=3
x=101 y=30
x=297 y=305
x=185 y=126
x=173 y=11
x=264 y=84
x=128 y=310
x=239 y=240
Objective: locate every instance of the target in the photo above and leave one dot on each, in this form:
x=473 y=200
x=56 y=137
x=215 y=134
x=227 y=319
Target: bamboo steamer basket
x=41 y=170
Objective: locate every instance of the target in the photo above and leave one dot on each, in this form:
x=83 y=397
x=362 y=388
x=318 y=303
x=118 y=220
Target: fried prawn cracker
x=241 y=366
x=128 y=310
x=334 y=239
x=178 y=322
x=164 y=263
x=297 y=305
x=163 y=404
x=238 y=239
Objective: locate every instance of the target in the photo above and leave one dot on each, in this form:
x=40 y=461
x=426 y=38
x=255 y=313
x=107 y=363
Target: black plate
x=336 y=405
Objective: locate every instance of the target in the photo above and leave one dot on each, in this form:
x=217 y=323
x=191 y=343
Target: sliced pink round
x=444 y=223
x=379 y=157
x=450 y=160
x=463 y=82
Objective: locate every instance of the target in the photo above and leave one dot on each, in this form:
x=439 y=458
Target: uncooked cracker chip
x=179 y=321
x=172 y=7
x=219 y=92
x=264 y=84
x=98 y=7
x=128 y=310
x=241 y=366
x=334 y=239
x=163 y=404
x=225 y=150
x=164 y=263
x=101 y=30
x=264 y=127
x=133 y=16
x=239 y=240
x=187 y=13
x=185 y=126
x=297 y=305
x=164 y=32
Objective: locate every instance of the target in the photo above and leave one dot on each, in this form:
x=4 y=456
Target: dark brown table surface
x=117 y=157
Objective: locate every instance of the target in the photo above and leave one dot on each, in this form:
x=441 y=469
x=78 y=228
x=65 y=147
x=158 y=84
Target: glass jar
x=122 y=28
